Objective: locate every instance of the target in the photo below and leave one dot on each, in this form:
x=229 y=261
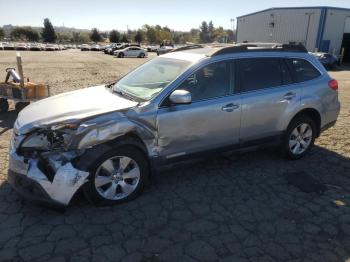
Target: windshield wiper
x=124 y=94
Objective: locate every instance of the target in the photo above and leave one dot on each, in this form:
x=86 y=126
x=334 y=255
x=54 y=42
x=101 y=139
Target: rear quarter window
x=302 y=70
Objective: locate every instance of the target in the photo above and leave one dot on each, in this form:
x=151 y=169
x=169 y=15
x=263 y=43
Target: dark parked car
x=329 y=61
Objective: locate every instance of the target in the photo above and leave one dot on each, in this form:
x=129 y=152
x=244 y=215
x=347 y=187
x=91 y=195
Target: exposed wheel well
x=313 y=114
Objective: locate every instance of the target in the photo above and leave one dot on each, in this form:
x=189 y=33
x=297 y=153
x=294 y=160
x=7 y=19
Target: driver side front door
x=211 y=121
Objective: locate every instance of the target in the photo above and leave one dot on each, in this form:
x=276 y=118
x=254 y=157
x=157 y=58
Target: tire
x=20 y=105
x=110 y=188
x=4 y=105
x=299 y=137
x=121 y=55
x=142 y=55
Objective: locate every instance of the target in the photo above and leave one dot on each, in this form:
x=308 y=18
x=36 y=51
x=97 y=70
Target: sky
x=108 y=14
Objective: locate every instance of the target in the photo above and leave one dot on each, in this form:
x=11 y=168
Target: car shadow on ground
x=240 y=204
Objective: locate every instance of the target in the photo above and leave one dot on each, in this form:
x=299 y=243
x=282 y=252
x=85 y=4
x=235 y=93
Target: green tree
x=25 y=33
x=64 y=37
x=48 y=33
x=204 y=32
x=150 y=34
x=124 y=39
x=138 y=37
x=2 y=33
x=84 y=37
x=211 y=32
x=95 y=35
x=114 y=36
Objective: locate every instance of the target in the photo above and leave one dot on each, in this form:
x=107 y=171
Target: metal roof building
x=319 y=28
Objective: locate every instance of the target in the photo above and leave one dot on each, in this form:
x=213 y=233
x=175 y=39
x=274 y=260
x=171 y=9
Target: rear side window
x=302 y=70
x=258 y=73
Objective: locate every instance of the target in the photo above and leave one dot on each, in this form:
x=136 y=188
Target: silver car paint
x=204 y=124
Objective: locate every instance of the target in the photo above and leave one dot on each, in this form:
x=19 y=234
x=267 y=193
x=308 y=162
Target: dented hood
x=70 y=106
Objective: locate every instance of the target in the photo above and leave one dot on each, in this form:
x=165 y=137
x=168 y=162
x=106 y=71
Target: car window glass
x=286 y=76
x=258 y=73
x=302 y=70
x=208 y=82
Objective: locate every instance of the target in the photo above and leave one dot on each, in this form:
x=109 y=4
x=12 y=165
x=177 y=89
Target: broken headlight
x=53 y=137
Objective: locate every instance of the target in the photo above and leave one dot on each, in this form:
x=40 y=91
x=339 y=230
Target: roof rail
x=259 y=47
x=188 y=47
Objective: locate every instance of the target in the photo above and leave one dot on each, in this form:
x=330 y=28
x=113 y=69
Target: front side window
x=208 y=82
x=302 y=70
x=258 y=73
x=151 y=78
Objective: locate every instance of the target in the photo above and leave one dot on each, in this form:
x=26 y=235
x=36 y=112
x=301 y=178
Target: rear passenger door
x=267 y=95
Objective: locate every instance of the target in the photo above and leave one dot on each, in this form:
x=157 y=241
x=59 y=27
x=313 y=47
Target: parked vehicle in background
x=132 y=51
x=152 y=48
x=329 y=61
x=1 y=46
x=95 y=47
x=164 y=49
x=21 y=46
x=8 y=46
x=34 y=47
x=106 y=140
x=84 y=47
x=50 y=47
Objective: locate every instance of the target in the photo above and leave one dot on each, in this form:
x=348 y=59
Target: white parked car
x=21 y=46
x=132 y=51
x=50 y=47
x=85 y=47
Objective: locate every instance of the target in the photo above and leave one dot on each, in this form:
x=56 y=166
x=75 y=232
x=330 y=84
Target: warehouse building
x=325 y=29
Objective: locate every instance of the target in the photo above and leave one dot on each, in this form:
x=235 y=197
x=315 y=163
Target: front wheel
x=299 y=137
x=117 y=176
x=121 y=55
x=142 y=55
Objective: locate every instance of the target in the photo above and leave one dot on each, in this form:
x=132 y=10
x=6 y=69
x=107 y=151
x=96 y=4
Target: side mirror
x=180 y=97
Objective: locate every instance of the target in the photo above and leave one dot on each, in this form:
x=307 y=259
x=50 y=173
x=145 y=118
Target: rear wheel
x=142 y=55
x=117 y=176
x=299 y=137
x=4 y=105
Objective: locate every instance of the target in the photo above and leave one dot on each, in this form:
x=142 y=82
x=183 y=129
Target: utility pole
x=232 y=20
x=308 y=26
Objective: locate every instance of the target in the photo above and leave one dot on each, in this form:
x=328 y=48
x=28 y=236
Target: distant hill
x=59 y=29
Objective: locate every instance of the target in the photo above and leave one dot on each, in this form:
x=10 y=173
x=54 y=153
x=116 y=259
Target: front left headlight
x=37 y=141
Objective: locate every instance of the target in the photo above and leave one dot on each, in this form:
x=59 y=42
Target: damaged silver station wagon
x=107 y=140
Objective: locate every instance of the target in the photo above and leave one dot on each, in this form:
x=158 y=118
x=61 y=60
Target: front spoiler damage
x=27 y=178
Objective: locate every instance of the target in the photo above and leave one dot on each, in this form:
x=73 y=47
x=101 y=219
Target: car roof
x=197 y=52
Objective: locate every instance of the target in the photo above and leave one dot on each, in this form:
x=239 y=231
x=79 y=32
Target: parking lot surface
x=244 y=206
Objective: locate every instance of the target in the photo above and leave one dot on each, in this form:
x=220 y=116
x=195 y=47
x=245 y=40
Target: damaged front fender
x=108 y=127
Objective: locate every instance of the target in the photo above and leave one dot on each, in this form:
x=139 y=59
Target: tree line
x=206 y=33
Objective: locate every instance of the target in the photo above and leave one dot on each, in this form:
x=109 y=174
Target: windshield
x=151 y=78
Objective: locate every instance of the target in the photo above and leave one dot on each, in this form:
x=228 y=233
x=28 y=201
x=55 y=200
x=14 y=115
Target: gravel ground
x=241 y=206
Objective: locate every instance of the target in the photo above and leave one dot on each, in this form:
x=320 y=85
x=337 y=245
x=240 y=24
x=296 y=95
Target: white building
x=324 y=29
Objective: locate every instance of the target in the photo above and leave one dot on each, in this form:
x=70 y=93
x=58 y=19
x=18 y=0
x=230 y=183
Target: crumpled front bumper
x=32 y=183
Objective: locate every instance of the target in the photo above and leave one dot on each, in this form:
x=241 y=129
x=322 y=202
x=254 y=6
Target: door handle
x=289 y=96
x=229 y=107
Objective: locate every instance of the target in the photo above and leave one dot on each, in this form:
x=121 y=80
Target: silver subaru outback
x=107 y=140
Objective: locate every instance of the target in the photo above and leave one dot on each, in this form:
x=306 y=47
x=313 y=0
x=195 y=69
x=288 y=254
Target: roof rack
x=259 y=47
x=188 y=47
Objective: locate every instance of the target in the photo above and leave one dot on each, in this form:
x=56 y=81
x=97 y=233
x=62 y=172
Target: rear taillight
x=333 y=84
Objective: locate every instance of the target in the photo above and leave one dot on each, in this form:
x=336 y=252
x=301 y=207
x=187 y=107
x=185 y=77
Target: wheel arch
x=311 y=113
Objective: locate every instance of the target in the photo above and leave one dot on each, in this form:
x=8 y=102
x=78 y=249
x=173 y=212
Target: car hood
x=70 y=106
